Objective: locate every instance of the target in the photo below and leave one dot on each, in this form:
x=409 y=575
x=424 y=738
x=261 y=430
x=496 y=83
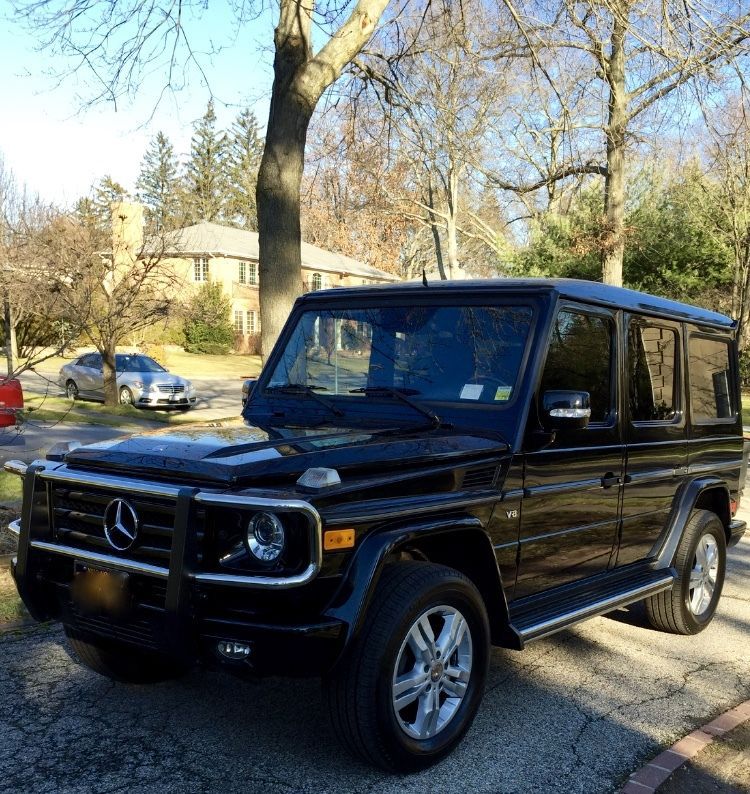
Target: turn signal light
x=338 y=539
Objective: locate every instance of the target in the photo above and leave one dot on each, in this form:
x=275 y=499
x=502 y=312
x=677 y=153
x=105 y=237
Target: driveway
x=574 y=713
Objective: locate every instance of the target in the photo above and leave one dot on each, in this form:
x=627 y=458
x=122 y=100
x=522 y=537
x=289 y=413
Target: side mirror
x=247 y=389
x=566 y=410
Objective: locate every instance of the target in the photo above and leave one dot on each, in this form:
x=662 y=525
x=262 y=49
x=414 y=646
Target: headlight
x=265 y=537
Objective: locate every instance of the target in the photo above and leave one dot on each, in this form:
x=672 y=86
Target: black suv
x=424 y=471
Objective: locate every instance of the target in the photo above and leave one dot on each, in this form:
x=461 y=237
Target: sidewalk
x=713 y=758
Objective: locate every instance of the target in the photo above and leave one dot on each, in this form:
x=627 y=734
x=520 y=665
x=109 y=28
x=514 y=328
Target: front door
x=570 y=506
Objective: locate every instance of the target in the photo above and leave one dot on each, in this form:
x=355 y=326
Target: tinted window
x=651 y=373
x=580 y=359
x=710 y=382
x=456 y=353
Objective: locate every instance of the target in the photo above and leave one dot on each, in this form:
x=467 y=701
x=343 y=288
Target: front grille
x=78 y=521
x=170 y=388
x=138 y=631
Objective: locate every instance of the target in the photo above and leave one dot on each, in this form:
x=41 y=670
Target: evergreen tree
x=158 y=184
x=106 y=192
x=205 y=173
x=245 y=152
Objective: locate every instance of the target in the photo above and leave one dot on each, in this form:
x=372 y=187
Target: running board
x=542 y=615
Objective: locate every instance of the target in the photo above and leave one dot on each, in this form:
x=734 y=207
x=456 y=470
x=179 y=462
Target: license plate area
x=100 y=592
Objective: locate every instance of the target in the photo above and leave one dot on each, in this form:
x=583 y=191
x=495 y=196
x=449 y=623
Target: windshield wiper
x=303 y=388
x=400 y=395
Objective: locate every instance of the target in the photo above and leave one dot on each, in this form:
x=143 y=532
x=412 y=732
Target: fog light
x=235 y=651
x=265 y=537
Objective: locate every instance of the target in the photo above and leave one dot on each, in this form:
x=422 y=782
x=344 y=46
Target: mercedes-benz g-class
x=424 y=471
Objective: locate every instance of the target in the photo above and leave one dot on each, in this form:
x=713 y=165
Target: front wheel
x=700 y=562
x=71 y=390
x=410 y=686
x=126 y=396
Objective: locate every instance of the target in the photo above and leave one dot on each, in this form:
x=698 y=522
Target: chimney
x=127 y=232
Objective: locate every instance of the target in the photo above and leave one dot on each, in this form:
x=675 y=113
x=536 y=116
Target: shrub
x=207 y=327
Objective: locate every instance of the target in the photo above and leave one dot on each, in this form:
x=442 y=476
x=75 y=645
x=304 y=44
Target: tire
x=126 y=396
x=702 y=555
x=360 y=691
x=121 y=663
x=71 y=390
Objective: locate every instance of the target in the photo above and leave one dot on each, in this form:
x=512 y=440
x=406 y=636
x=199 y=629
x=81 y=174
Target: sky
x=58 y=146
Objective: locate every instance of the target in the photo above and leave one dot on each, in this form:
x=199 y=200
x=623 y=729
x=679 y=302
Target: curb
x=648 y=778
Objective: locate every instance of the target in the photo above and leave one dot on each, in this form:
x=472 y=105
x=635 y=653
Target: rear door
x=570 y=506
x=655 y=432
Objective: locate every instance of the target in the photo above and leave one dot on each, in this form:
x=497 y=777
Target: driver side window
x=580 y=359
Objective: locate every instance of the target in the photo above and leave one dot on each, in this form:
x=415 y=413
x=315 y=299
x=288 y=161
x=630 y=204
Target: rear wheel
x=411 y=684
x=71 y=390
x=700 y=562
x=126 y=396
x=121 y=663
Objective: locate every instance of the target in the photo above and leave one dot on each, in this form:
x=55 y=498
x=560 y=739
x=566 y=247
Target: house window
x=252 y=272
x=239 y=325
x=253 y=322
x=200 y=268
x=243 y=273
x=317 y=281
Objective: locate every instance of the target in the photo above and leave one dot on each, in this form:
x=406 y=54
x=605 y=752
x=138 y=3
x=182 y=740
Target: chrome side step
x=539 y=617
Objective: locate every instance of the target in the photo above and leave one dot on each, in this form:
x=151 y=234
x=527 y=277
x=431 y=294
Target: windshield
x=465 y=354
x=136 y=363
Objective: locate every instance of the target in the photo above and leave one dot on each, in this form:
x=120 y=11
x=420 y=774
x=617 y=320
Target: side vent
x=483 y=477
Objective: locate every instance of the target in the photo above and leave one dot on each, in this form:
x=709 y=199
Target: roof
x=218 y=240
x=573 y=289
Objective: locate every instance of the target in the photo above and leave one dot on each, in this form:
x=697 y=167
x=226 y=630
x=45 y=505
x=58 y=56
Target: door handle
x=610 y=479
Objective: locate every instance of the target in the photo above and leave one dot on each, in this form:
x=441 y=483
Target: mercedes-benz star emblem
x=121 y=524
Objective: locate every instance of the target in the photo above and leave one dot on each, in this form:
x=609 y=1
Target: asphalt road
x=576 y=712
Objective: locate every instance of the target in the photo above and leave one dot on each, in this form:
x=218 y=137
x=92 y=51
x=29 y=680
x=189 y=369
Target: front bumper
x=177 y=609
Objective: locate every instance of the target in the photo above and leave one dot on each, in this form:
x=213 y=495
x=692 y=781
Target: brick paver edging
x=649 y=777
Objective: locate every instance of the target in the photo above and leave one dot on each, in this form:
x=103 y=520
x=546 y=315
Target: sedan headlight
x=266 y=537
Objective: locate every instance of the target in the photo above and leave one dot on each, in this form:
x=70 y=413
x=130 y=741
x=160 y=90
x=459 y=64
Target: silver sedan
x=141 y=382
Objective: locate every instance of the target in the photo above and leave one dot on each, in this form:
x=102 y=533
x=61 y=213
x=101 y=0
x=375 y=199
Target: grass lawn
x=746 y=407
x=189 y=365
x=10 y=488
x=11 y=608
x=55 y=409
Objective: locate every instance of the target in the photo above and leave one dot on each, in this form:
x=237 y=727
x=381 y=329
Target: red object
x=11 y=399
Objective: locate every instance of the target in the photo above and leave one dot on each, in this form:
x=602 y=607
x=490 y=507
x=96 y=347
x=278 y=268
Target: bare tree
x=726 y=190
x=643 y=52
x=113 y=282
x=121 y=42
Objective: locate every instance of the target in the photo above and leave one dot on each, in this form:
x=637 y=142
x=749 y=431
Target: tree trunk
x=435 y=229
x=111 y=397
x=451 y=232
x=614 y=183
x=9 y=330
x=278 y=197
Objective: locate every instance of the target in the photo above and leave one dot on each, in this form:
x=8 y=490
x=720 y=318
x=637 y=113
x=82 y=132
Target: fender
x=666 y=548
x=353 y=597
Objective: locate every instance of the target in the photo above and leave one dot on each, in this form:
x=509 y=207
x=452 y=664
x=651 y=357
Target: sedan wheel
x=71 y=390
x=126 y=396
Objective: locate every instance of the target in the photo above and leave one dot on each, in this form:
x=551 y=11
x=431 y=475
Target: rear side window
x=651 y=373
x=580 y=359
x=711 y=395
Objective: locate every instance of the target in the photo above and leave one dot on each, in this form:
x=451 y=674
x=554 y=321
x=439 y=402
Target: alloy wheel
x=432 y=672
x=703 y=574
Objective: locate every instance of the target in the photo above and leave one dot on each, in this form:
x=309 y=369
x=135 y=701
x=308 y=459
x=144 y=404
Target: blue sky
x=58 y=147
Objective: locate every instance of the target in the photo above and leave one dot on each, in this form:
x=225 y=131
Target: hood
x=247 y=455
